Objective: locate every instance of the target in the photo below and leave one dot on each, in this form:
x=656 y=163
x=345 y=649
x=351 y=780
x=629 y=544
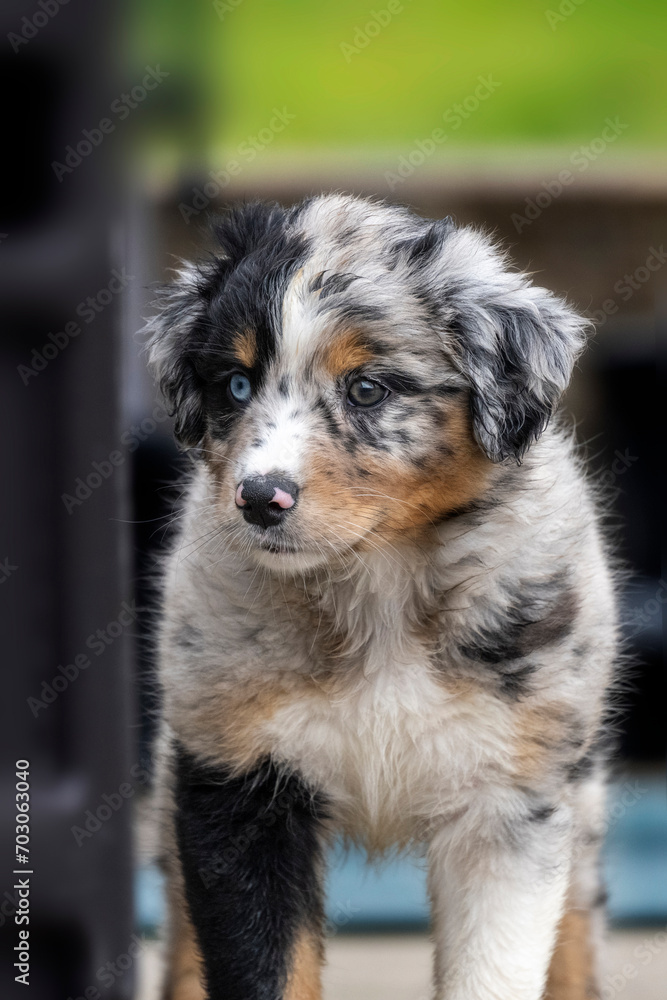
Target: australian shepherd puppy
x=389 y=614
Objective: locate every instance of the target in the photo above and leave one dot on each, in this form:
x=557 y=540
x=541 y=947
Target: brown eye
x=366 y=392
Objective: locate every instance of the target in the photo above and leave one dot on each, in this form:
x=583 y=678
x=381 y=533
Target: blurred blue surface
x=394 y=896
x=635 y=855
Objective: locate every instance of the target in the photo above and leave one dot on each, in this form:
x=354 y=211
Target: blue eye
x=239 y=388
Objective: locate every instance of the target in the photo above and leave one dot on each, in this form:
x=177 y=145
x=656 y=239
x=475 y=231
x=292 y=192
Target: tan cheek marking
x=340 y=498
x=244 y=346
x=571 y=974
x=398 y=499
x=422 y=497
x=304 y=982
x=345 y=353
x=240 y=720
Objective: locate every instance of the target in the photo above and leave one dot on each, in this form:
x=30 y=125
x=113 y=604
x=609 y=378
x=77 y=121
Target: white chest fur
x=400 y=748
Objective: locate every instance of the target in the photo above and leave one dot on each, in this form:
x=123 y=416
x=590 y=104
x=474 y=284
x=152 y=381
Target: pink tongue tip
x=240 y=502
x=283 y=499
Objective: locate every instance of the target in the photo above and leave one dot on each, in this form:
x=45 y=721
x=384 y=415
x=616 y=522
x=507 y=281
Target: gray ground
x=396 y=967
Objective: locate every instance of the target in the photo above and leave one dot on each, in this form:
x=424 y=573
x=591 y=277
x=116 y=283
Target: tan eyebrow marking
x=244 y=346
x=346 y=352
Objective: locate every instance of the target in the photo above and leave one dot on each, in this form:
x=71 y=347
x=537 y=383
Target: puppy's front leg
x=498 y=885
x=250 y=853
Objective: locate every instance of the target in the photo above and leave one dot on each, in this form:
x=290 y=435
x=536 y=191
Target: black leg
x=251 y=858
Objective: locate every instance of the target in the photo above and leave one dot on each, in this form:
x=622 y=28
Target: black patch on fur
x=598 y=751
x=379 y=347
x=404 y=384
x=446 y=389
x=347 y=236
x=537 y=615
x=514 y=683
x=368 y=428
x=325 y=412
x=541 y=813
x=335 y=284
x=250 y=854
x=237 y=291
x=355 y=312
x=582 y=768
x=189 y=637
x=510 y=403
x=472 y=507
x=419 y=250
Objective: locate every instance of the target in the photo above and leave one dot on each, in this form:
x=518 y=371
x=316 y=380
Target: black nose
x=265 y=500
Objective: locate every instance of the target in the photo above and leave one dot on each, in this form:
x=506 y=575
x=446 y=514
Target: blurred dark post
x=63 y=562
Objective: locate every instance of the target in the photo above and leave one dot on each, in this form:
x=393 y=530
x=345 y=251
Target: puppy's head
x=351 y=372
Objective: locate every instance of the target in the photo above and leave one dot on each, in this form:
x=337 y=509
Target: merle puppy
x=389 y=613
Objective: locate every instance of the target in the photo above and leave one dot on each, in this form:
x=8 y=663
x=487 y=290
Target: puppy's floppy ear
x=515 y=343
x=171 y=343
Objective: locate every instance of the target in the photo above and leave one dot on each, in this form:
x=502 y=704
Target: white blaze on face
x=282 y=432
x=297 y=332
x=304 y=326
x=284 y=426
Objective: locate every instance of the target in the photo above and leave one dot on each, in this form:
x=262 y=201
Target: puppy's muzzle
x=266 y=500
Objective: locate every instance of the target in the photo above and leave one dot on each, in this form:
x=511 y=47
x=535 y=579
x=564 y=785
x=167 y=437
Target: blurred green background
x=358 y=76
